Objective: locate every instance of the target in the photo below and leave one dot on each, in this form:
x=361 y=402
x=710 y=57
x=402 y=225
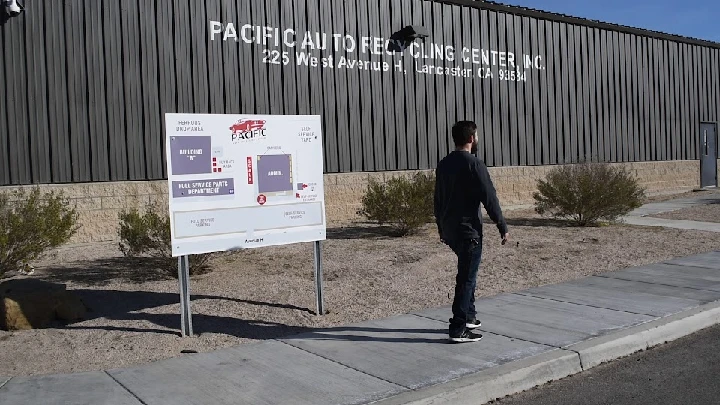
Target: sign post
x=184 y=280
x=242 y=182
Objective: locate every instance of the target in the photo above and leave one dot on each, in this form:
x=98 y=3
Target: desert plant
x=588 y=192
x=404 y=203
x=148 y=234
x=31 y=224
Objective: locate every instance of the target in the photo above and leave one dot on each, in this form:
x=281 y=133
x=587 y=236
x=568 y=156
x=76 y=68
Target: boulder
x=32 y=304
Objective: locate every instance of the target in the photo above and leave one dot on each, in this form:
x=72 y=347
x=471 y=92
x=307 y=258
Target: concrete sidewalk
x=642 y=215
x=530 y=337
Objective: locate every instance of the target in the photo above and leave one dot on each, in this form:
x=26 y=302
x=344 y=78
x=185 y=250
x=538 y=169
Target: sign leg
x=319 y=279
x=184 y=280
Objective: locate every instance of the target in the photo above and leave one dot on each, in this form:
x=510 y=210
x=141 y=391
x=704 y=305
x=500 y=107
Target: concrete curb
x=599 y=350
x=3 y=381
x=512 y=378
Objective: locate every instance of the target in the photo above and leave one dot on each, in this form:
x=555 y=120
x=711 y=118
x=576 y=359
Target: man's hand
x=505 y=238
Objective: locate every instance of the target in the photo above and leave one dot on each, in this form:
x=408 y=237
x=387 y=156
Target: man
x=462 y=184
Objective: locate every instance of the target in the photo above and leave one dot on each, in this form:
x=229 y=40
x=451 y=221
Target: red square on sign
x=219 y=169
x=214 y=159
x=214 y=169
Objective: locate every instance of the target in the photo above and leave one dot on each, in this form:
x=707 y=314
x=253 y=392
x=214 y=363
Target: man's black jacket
x=462 y=184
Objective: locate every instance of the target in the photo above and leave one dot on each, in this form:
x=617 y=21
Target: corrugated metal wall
x=85 y=85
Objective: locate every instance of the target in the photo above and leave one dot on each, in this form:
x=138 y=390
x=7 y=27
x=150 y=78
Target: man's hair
x=463 y=132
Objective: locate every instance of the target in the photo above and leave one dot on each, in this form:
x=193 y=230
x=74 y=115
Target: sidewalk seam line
x=3 y=384
x=662 y=284
x=586 y=305
x=500 y=334
x=124 y=387
x=345 y=365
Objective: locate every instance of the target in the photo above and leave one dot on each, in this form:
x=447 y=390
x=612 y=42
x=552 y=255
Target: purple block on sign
x=274 y=173
x=203 y=188
x=190 y=155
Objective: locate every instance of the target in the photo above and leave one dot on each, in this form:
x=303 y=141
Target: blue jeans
x=469 y=254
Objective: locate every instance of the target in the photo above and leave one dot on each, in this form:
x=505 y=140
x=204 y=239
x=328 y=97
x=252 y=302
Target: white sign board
x=244 y=181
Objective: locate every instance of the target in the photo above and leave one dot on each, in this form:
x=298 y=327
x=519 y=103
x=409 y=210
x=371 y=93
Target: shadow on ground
x=362 y=231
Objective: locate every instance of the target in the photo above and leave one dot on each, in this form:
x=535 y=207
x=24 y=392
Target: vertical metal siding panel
x=574 y=113
x=634 y=69
x=231 y=63
x=276 y=96
x=491 y=147
x=260 y=58
x=97 y=108
x=640 y=63
x=376 y=104
x=544 y=135
x=37 y=96
x=77 y=92
x=518 y=88
x=302 y=73
x=498 y=140
x=353 y=87
x=408 y=123
x=444 y=94
x=419 y=97
x=623 y=100
x=432 y=101
x=593 y=70
x=554 y=93
x=537 y=39
x=341 y=97
x=606 y=144
x=316 y=80
x=152 y=144
x=183 y=52
x=577 y=92
x=246 y=57
x=289 y=78
x=663 y=82
x=694 y=116
x=4 y=131
x=404 y=139
x=654 y=101
x=530 y=88
x=330 y=114
x=166 y=74
x=395 y=152
x=485 y=138
x=597 y=95
x=16 y=80
x=647 y=92
x=716 y=86
x=584 y=102
x=682 y=101
x=133 y=90
x=114 y=93
x=514 y=117
x=461 y=38
x=508 y=142
x=615 y=115
x=469 y=41
x=366 y=104
x=563 y=113
x=624 y=97
x=453 y=89
x=199 y=58
x=674 y=104
x=214 y=58
x=701 y=65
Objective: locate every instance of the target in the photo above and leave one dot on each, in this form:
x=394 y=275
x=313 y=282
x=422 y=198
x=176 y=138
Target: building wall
x=86 y=84
x=100 y=203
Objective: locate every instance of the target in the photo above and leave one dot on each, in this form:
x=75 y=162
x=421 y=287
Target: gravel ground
x=267 y=293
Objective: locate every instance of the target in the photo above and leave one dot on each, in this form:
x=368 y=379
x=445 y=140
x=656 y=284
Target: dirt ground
x=267 y=293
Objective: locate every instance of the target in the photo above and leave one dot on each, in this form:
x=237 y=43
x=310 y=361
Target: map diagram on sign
x=244 y=181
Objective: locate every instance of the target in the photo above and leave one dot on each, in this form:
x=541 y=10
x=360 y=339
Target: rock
x=32 y=304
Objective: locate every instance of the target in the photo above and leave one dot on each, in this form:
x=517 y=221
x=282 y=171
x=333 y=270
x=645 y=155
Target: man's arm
x=488 y=196
x=438 y=200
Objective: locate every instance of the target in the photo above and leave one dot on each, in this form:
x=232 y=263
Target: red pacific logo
x=246 y=129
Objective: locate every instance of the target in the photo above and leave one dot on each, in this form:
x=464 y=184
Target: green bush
x=31 y=224
x=406 y=204
x=588 y=192
x=148 y=234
